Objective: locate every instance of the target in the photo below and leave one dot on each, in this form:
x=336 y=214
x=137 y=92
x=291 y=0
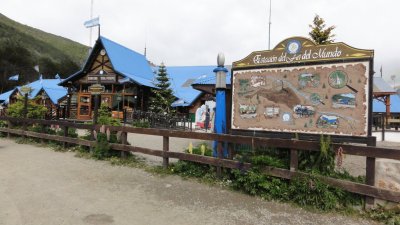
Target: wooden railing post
x=230 y=151
x=294 y=159
x=370 y=174
x=43 y=129
x=92 y=137
x=220 y=156
x=65 y=144
x=9 y=126
x=165 y=149
x=124 y=141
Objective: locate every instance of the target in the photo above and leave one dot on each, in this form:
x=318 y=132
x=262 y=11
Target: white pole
x=269 y=26
x=91 y=17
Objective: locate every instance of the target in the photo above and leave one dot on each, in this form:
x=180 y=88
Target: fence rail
x=370 y=152
x=156 y=120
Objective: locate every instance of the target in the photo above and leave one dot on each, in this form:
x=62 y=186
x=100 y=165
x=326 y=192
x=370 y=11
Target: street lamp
x=220 y=87
x=69 y=94
x=44 y=97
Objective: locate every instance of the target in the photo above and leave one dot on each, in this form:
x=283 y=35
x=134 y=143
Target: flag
x=381 y=70
x=57 y=76
x=41 y=78
x=92 y=23
x=36 y=68
x=15 y=77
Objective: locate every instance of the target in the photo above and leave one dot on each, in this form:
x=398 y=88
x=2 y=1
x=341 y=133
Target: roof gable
x=50 y=86
x=124 y=61
x=381 y=86
x=127 y=61
x=5 y=97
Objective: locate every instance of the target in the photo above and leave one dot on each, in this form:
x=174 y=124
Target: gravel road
x=40 y=186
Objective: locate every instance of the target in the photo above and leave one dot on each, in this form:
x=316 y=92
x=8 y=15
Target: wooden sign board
x=96 y=89
x=301 y=87
x=25 y=89
x=105 y=79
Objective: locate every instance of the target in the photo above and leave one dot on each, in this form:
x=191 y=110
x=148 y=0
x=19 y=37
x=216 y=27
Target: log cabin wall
x=132 y=96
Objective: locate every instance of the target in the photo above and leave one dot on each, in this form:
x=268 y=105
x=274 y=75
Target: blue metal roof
x=125 y=61
x=379 y=107
x=381 y=85
x=128 y=62
x=211 y=79
x=182 y=77
x=5 y=97
x=50 y=86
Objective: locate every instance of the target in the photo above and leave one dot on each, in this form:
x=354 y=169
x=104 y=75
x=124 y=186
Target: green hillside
x=22 y=47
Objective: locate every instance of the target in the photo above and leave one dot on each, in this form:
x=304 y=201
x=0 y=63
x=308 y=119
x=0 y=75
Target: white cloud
x=192 y=32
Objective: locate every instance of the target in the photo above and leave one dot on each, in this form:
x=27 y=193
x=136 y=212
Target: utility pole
x=269 y=26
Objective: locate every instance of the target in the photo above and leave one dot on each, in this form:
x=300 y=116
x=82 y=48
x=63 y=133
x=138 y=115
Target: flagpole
x=91 y=17
x=269 y=26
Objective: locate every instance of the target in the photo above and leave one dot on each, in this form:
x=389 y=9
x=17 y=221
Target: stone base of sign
x=387 y=177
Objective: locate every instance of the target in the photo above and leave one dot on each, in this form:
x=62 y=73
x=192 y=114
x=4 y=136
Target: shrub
x=105 y=117
x=142 y=124
x=102 y=149
x=322 y=162
x=35 y=111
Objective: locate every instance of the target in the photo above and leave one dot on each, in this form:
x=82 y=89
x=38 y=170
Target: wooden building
x=125 y=74
x=387 y=103
x=46 y=92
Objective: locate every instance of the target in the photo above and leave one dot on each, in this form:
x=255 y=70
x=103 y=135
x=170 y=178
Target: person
x=212 y=116
x=207 y=119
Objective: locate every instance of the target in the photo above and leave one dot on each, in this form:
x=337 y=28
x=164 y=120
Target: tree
x=319 y=33
x=163 y=96
x=35 y=111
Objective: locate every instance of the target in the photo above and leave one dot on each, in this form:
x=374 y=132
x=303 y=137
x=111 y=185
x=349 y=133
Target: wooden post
x=294 y=159
x=69 y=99
x=383 y=127
x=96 y=109
x=370 y=174
x=230 y=151
x=9 y=126
x=43 y=131
x=124 y=141
x=165 y=149
x=220 y=156
x=92 y=137
x=65 y=144
x=25 y=112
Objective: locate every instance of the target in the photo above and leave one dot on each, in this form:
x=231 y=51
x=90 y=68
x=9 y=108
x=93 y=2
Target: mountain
x=22 y=47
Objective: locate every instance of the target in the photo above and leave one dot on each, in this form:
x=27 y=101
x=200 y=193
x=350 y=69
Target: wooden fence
x=371 y=153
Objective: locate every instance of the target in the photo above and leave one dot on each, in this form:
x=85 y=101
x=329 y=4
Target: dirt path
x=39 y=186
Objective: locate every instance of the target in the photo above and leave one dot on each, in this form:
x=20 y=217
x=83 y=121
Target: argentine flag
x=92 y=23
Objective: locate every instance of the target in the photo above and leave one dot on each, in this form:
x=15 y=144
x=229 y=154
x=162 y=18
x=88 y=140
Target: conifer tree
x=163 y=96
x=319 y=33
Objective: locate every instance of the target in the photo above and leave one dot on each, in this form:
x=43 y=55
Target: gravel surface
x=40 y=186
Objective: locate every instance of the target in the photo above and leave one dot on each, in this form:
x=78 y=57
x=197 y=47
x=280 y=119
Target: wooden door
x=84 y=106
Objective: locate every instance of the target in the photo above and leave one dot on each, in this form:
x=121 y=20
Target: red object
x=201 y=125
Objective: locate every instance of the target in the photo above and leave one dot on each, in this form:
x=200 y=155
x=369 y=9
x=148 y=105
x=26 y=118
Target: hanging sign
x=96 y=89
